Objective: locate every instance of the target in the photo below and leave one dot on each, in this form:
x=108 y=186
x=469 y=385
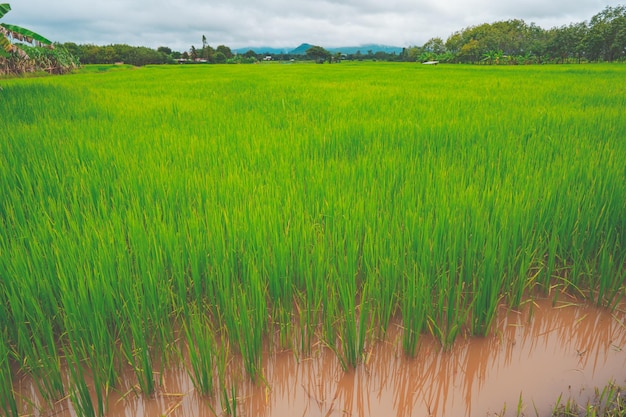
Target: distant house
x=267 y=58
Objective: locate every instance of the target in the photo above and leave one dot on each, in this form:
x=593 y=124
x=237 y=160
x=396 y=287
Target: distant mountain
x=263 y=50
x=364 y=49
x=301 y=50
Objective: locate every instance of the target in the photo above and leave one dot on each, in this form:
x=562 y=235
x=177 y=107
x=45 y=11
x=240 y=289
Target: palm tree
x=9 y=32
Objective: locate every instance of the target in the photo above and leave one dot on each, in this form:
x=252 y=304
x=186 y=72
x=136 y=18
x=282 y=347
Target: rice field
x=199 y=213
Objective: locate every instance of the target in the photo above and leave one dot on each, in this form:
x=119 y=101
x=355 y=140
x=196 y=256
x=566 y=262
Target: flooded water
x=539 y=354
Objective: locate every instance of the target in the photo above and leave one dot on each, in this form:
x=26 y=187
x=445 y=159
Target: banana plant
x=9 y=32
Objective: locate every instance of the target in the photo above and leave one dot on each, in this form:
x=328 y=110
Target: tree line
x=603 y=38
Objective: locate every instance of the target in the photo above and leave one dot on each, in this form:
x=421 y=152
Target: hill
x=364 y=49
x=262 y=50
x=301 y=50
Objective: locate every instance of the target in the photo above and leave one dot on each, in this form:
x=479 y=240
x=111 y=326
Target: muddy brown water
x=537 y=354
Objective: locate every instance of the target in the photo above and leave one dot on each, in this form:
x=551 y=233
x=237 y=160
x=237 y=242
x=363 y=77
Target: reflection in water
x=537 y=354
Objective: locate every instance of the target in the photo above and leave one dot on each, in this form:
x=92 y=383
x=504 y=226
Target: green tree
x=606 y=38
x=435 y=46
x=208 y=53
x=225 y=50
x=109 y=54
x=470 y=51
x=142 y=55
x=318 y=54
x=165 y=50
x=73 y=48
x=566 y=42
x=220 y=58
x=534 y=45
x=455 y=42
x=250 y=54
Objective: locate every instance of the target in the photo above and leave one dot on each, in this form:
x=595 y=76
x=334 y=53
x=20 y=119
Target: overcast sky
x=280 y=23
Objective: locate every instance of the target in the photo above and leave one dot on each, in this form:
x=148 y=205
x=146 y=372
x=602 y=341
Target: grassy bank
x=221 y=204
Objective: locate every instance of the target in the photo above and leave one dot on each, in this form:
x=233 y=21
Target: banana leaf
x=25 y=35
x=4 y=9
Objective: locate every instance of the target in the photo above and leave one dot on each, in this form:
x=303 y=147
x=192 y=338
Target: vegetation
x=516 y=42
x=318 y=54
x=9 y=32
x=41 y=55
x=196 y=212
x=111 y=54
x=608 y=402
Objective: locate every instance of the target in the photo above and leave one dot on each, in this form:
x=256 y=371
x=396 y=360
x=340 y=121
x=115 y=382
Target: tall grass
x=318 y=202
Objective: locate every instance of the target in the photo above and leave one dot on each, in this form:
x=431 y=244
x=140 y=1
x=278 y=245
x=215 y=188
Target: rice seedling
x=322 y=201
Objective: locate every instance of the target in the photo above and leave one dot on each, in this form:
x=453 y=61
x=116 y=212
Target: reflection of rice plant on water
x=198 y=212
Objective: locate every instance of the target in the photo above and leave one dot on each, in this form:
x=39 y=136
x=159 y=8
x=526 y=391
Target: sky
x=178 y=24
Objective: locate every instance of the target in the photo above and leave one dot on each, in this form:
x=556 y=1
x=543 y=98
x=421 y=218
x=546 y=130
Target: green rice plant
x=8 y=405
x=332 y=327
x=141 y=358
x=348 y=326
x=246 y=320
x=450 y=307
x=200 y=345
x=36 y=342
x=80 y=394
x=382 y=282
x=607 y=402
x=223 y=361
x=81 y=400
x=486 y=292
x=314 y=298
x=229 y=401
x=88 y=341
x=415 y=306
x=324 y=202
x=611 y=278
x=520 y=406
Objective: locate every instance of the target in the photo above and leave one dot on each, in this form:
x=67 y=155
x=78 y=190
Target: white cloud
x=281 y=23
